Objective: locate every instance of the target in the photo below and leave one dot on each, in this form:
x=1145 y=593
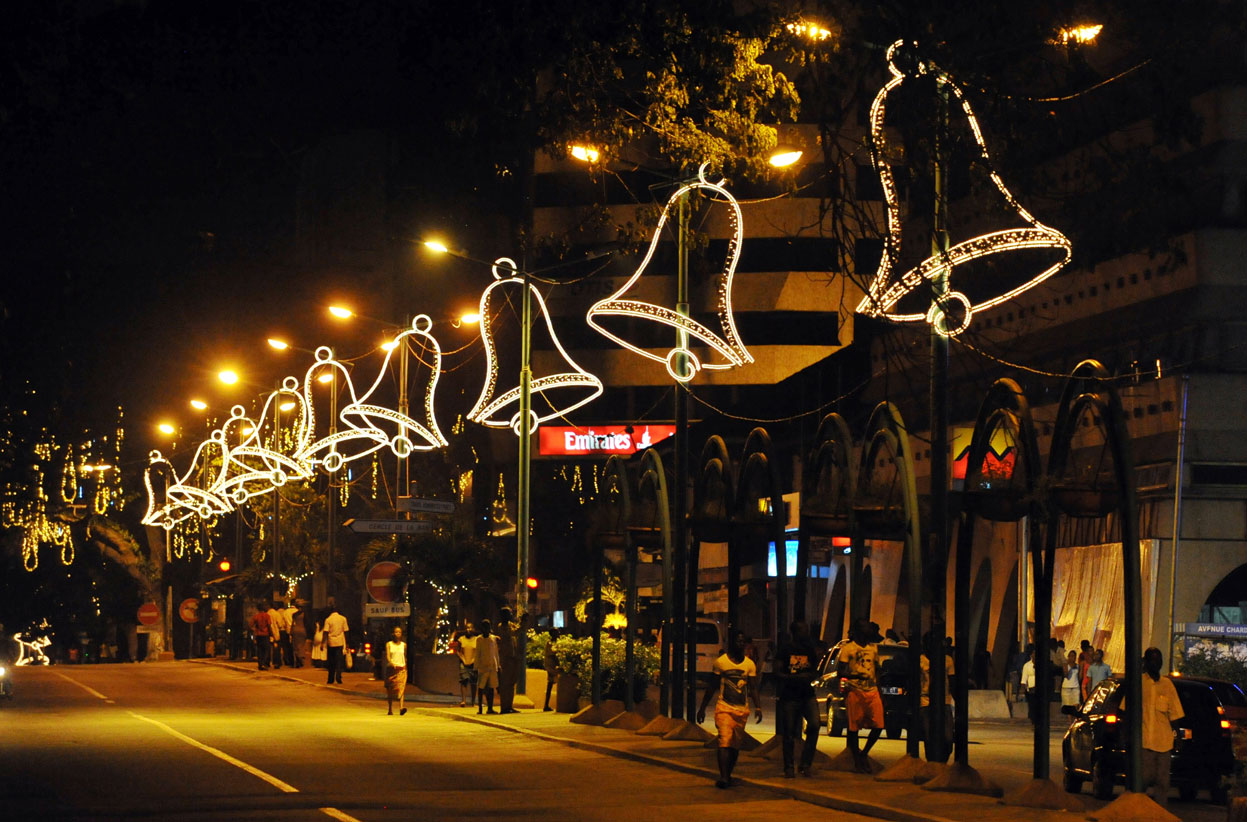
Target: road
x=189 y=742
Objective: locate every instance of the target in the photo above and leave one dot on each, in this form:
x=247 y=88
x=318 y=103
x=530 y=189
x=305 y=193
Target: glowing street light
x=288 y=405
x=199 y=405
x=436 y=245
x=810 y=31
x=166 y=428
x=585 y=154
x=1082 y=34
x=228 y=376
x=279 y=345
x=341 y=312
x=785 y=158
x=470 y=318
x=326 y=377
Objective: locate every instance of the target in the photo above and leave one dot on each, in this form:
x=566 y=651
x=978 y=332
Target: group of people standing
x=281 y=631
x=1075 y=674
x=489 y=662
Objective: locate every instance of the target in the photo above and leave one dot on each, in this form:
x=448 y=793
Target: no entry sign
x=148 y=614
x=382 y=582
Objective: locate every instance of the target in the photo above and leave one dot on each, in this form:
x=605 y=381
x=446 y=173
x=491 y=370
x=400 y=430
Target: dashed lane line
x=284 y=787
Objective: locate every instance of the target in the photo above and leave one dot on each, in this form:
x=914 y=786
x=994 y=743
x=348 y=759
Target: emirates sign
x=597 y=440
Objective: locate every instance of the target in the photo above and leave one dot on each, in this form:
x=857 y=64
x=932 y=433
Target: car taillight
x=1110 y=719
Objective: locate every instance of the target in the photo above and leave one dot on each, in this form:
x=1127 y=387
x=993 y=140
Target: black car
x=893 y=685
x=1094 y=747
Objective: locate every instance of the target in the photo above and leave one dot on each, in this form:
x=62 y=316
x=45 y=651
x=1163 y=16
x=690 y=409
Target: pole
x=596 y=689
x=329 y=533
x=525 y=474
x=239 y=604
x=1177 y=516
x=939 y=444
x=277 y=496
x=685 y=575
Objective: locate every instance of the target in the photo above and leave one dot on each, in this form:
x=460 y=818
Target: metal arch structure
x=759 y=467
x=651 y=498
x=828 y=480
x=895 y=517
x=999 y=499
x=1089 y=391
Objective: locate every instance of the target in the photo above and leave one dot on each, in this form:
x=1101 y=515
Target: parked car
x=893 y=685
x=1232 y=699
x=1094 y=744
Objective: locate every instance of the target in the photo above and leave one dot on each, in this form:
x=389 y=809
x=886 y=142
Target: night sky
x=184 y=180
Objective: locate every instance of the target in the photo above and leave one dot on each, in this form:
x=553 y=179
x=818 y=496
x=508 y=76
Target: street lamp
x=199 y=405
x=228 y=376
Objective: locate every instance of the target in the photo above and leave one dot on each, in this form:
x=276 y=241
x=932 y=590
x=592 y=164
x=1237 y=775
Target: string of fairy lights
x=67 y=481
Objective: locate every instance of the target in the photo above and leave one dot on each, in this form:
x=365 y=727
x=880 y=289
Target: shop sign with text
x=597 y=440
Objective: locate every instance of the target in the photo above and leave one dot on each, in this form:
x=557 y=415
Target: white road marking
x=284 y=787
x=86 y=688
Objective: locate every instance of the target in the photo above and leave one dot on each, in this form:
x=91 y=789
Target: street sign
x=382 y=610
x=189 y=610
x=415 y=505
x=382 y=580
x=149 y=613
x=388 y=526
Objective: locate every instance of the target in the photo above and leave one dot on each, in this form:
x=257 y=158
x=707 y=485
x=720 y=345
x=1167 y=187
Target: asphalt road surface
x=190 y=742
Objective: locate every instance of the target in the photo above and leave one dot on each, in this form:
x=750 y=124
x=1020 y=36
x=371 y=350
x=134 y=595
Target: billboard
x=599 y=440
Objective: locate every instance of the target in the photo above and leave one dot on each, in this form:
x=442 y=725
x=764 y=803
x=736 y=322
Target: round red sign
x=382 y=582
x=149 y=614
x=189 y=610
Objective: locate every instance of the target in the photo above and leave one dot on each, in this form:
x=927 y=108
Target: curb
x=799 y=794
x=424 y=698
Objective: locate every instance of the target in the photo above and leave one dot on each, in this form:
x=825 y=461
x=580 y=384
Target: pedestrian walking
x=465 y=640
x=859 y=672
x=1097 y=671
x=795 y=670
x=281 y=633
x=396 y=672
x=1161 y=711
x=334 y=630
x=924 y=702
x=486 y=666
x=262 y=630
x=509 y=664
x=290 y=640
x=550 y=662
x=1034 y=695
x=738 y=686
x=1071 y=687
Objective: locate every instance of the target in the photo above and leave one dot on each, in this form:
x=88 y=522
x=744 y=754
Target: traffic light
x=532 y=583
x=224 y=565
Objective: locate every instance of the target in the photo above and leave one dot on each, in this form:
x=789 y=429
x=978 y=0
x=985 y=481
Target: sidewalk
x=855 y=793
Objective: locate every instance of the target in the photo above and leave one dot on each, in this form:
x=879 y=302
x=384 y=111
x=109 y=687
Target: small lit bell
x=561 y=393
x=721 y=351
x=952 y=313
x=378 y=410
x=332 y=447
x=186 y=493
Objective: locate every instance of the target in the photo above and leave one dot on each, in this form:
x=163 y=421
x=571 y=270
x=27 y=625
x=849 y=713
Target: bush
x=1217 y=660
x=575 y=656
x=535 y=652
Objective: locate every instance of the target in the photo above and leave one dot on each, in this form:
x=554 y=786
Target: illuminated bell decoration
x=727 y=350
x=409 y=434
x=887 y=289
x=259 y=463
x=562 y=393
x=337 y=447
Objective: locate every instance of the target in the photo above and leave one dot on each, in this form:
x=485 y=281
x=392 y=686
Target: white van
x=711 y=642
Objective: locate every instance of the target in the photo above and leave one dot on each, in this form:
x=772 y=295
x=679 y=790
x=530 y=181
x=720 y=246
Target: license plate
x=893 y=691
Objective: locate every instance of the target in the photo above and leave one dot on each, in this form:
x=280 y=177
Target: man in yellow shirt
x=1161 y=711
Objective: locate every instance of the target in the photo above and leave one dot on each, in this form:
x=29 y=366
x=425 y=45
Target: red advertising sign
x=598 y=440
x=149 y=614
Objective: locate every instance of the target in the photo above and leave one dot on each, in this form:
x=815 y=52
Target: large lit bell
x=983 y=269
x=552 y=395
x=192 y=491
x=335 y=439
x=405 y=384
x=696 y=346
